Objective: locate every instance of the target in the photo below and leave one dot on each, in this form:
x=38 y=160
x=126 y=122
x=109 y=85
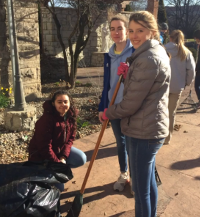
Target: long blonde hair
x=177 y=37
x=149 y=22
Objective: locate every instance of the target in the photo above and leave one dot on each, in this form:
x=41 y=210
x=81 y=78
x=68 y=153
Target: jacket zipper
x=65 y=132
x=65 y=118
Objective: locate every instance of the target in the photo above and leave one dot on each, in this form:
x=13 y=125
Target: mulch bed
x=13 y=145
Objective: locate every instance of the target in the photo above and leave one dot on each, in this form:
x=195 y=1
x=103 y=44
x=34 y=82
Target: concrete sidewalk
x=177 y=164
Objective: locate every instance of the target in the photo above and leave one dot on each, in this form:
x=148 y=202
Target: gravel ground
x=13 y=145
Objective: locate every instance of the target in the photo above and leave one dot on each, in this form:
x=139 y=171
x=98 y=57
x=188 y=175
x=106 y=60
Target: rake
x=78 y=200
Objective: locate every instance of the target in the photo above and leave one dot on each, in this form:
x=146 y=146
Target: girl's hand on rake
x=104 y=115
x=123 y=69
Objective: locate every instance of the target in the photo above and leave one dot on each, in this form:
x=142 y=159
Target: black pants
x=197 y=86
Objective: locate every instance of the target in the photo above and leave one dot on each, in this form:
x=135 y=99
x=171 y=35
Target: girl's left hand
x=62 y=160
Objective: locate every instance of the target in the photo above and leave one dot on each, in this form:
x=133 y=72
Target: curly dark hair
x=72 y=112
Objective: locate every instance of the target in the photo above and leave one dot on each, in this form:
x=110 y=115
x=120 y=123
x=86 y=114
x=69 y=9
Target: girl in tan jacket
x=144 y=108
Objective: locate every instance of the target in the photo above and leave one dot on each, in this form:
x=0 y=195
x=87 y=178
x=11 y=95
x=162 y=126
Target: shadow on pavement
x=102 y=153
x=101 y=192
x=197 y=178
x=186 y=164
x=130 y=213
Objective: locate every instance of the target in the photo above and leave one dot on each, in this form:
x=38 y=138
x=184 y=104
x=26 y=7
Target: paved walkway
x=178 y=166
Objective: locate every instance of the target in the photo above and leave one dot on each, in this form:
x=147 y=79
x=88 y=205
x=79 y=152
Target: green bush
x=78 y=83
x=162 y=16
x=81 y=123
x=4 y=99
x=194 y=52
x=128 y=8
x=88 y=84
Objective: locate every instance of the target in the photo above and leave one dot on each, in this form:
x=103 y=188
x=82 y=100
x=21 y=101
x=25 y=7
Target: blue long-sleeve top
x=111 y=64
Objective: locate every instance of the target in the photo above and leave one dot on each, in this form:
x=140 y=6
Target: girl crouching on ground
x=55 y=132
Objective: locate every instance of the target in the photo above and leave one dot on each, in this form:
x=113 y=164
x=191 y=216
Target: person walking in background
x=182 y=74
x=144 y=108
x=164 y=33
x=197 y=77
x=120 y=50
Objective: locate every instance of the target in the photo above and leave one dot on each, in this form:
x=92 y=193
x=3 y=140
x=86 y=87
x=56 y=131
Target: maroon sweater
x=53 y=136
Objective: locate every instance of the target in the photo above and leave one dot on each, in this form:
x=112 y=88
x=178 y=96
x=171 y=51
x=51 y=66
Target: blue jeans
x=121 y=145
x=76 y=159
x=142 y=153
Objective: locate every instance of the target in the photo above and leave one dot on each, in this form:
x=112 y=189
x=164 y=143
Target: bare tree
x=87 y=13
x=138 y=5
x=183 y=15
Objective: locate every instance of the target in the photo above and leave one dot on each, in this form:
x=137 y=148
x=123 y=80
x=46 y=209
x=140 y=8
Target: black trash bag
x=29 y=199
x=46 y=171
x=26 y=188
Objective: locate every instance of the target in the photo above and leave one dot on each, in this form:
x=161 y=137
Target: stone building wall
x=5 y=64
x=27 y=29
x=67 y=18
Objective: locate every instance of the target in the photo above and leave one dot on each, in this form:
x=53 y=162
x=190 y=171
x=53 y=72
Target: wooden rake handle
x=105 y=123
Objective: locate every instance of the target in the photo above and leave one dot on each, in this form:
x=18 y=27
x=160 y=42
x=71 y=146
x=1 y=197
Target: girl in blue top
x=120 y=50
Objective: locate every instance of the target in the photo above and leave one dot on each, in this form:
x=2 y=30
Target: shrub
x=128 y=8
x=88 y=84
x=78 y=84
x=4 y=97
x=194 y=52
x=81 y=123
x=162 y=16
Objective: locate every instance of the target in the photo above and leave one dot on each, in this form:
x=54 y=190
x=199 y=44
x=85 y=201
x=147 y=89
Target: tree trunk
x=59 y=36
x=73 y=73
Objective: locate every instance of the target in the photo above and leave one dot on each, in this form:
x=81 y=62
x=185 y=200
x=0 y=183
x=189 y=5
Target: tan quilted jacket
x=144 y=108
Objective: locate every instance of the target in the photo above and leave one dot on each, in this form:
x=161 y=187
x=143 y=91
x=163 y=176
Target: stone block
x=28 y=74
x=34 y=15
x=2 y=14
x=32 y=124
x=24 y=63
x=49 y=38
x=97 y=59
x=43 y=27
x=93 y=43
x=4 y=63
x=7 y=122
x=2 y=2
x=26 y=123
x=16 y=122
x=49 y=26
x=2 y=27
x=44 y=15
x=20 y=120
x=45 y=32
x=20 y=27
x=6 y=79
x=32 y=90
